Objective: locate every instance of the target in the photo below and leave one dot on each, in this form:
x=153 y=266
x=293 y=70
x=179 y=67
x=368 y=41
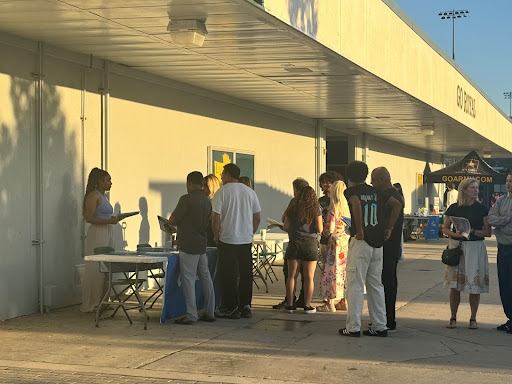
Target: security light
x=187 y=33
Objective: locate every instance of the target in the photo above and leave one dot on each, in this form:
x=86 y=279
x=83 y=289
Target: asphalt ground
x=64 y=346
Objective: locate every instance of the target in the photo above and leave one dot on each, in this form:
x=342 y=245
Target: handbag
x=452 y=256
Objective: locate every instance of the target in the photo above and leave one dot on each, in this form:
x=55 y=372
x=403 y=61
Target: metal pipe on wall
x=320 y=152
x=82 y=138
x=39 y=172
x=83 y=118
x=106 y=117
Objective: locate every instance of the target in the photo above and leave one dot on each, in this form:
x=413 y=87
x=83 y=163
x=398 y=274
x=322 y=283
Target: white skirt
x=94 y=282
x=472 y=273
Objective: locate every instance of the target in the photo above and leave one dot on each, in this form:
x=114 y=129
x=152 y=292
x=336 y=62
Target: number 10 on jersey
x=370 y=215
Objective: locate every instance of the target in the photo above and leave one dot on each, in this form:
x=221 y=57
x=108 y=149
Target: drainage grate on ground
x=279 y=324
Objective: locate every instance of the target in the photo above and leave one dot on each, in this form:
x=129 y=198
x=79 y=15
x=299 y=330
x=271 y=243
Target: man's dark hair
x=357 y=171
x=330 y=177
x=195 y=178
x=232 y=170
x=450 y=184
x=299 y=183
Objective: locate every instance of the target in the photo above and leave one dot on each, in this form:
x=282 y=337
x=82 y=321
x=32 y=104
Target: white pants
x=364 y=264
x=190 y=267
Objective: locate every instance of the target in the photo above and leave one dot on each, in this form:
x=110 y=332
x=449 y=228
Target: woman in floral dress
x=332 y=284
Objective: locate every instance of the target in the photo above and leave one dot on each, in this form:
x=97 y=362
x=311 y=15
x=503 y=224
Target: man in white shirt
x=452 y=195
x=235 y=219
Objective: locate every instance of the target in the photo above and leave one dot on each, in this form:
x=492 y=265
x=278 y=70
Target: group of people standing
x=360 y=229
x=361 y=234
x=209 y=214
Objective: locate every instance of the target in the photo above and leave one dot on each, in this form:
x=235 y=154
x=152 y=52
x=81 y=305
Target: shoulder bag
x=452 y=256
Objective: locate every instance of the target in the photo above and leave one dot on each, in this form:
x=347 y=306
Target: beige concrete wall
x=403 y=163
x=319 y=19
x=158 y=135
x=373 y=36
x=63 y=162
x=18 y=271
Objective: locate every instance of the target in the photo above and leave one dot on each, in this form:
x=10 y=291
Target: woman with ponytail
x=98 y=212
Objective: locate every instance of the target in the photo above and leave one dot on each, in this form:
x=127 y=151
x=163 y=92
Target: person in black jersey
x=369 y=229
x=392 y=249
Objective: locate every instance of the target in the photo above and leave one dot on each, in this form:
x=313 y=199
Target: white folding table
x=122 y=263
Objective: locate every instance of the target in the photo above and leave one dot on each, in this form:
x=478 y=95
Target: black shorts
x=303 y=248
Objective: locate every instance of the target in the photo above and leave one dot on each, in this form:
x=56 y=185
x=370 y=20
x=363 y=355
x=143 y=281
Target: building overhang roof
x=248 y=54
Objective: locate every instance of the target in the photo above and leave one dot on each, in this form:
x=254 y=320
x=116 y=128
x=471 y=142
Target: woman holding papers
x=472 y=274
x=332 y=284
x=98 y=212
x=303 y=222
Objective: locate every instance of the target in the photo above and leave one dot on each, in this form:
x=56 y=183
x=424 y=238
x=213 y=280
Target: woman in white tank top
x=98 y=212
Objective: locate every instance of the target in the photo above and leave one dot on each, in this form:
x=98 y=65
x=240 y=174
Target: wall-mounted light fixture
x=487 y=154
x=187 y=33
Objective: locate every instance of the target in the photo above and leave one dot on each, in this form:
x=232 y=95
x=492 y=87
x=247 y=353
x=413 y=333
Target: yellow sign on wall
x=419 y=189
x=218 y=166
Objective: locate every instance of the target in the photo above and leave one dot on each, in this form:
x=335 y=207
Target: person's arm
x=256 y=218
x=286 y=224
x=216 y=226
x=494 y=217
x=286 y=210
x=447 y=231
x=485 y=232
x=92 y=201
x=330 y=224
x=320 y=223
x=180 y=211
x=396 y=206
x=357 y=216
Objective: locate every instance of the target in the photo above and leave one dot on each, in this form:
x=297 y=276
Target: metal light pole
x=508 y=95
x=453 y=14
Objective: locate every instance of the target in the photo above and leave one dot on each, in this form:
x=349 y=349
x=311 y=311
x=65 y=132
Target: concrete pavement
x=272 y=347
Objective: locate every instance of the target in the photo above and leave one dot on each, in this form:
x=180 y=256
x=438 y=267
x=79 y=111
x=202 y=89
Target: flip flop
x=452 y=324
x=325 y=308
x=341 y=306
x=184 y=321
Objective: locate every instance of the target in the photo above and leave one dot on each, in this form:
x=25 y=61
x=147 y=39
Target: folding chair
x=155 y=276
x=268 y=259
x=128 y=282
x=256 y=271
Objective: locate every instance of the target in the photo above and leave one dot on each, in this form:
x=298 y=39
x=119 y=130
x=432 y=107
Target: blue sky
x=483 y=40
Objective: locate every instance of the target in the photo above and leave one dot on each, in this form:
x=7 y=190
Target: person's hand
x=359 y=236
x=114 y=220
x=458 y=235
x=216 y=239
x=387 y=234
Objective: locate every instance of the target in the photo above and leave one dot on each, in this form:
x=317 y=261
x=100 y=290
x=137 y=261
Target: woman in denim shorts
x=303 y=222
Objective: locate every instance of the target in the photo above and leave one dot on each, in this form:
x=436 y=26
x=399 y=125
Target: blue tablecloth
x=174 y=300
